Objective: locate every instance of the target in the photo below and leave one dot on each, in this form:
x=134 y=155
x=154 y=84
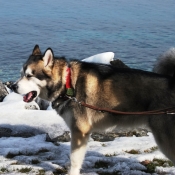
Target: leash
x=167 y=111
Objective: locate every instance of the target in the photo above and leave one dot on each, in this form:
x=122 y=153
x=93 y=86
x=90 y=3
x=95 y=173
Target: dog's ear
x=48 y=58
x=36 y=50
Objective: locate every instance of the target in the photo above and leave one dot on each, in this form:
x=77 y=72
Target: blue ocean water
x=137 y=31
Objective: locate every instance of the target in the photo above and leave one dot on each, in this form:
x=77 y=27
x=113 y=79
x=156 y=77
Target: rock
x=48 y=139
x=32 y=106
x=5 y=132
x=3 y=91
x=23 y=134
x=62 y=138
x=110 y=136
x=19 y=131
x=103 y=137
x=43 y=104
x=118 y=63
x=65 y=137
x=9 y=84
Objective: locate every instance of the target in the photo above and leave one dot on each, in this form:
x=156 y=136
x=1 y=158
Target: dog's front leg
x=78 y=150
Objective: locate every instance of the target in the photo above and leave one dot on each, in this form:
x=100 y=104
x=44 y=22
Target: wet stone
x=3 y=91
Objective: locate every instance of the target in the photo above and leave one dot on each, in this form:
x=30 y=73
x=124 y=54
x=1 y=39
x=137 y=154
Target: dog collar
x=69 y=89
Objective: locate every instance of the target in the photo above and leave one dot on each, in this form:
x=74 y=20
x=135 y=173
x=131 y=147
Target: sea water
x=137 y=31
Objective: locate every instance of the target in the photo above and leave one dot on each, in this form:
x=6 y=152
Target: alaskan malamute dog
x=66 y=84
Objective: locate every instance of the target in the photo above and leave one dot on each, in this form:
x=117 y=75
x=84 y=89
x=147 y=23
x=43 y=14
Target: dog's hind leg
x=163 y=128
x=78 y=150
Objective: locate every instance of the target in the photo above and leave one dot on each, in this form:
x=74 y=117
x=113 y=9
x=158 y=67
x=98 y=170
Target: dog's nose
x=14 y=87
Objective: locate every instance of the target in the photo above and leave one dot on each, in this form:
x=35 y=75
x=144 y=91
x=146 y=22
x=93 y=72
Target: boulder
x=9 y=84
x=3 y=91
x=43 y=104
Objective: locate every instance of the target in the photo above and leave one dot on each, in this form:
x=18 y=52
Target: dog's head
x=42 y=76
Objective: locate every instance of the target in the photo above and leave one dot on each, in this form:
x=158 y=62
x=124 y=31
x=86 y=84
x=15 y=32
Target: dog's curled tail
x=165 y=64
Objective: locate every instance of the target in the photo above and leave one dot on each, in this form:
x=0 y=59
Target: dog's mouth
x=29 y=97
